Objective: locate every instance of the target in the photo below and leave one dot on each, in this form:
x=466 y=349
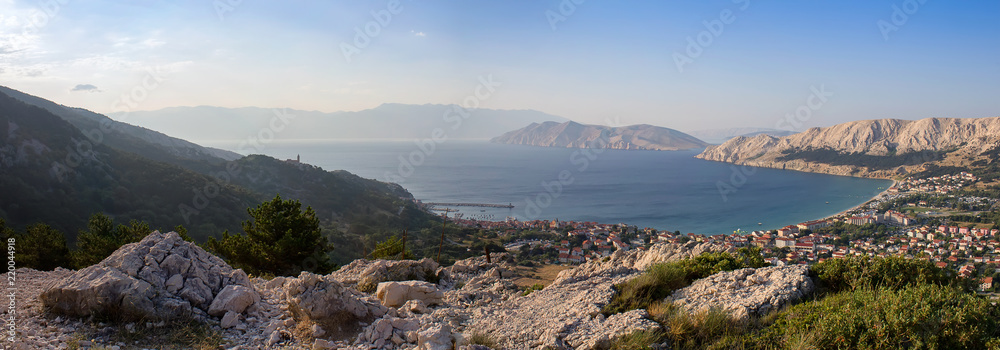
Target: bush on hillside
x=921 y=316
x=392 y=248
x=894 y=273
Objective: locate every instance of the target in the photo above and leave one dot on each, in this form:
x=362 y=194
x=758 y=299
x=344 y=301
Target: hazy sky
x=751 y=62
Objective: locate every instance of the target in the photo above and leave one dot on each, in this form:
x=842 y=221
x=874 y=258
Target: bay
x=670 y=191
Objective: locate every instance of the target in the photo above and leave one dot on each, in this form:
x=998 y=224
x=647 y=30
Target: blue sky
x=600 y=59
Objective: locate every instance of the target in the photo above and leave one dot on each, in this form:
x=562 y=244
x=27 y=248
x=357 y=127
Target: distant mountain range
x=576 y=135
x=718 y=136
x=874 y=148
x=142 y=141
x=387 y=121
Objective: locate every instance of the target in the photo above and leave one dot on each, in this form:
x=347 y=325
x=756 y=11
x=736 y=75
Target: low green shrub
x=867 y=303
x=923 y=316
x=894 y=273
x=532 y=288
x=656 y=283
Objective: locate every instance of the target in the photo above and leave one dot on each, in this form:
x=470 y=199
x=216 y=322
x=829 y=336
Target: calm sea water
x=664 y=190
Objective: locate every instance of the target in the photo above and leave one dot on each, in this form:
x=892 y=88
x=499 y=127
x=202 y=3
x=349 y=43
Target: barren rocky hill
x=575 y=135
x=880 y=148
x=367 y=304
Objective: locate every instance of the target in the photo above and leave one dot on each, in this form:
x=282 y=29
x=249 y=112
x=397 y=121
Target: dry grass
x=543 y=275
x=173 y=335
x=343 y=326
x=481 y=338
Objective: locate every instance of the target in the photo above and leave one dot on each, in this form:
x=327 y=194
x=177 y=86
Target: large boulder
x=746 y=292
x=394 y=294
x=233 y=298
x=160 y=277
x=386 y=332
x=380 y=271
x=437 y=337
x=325 y=301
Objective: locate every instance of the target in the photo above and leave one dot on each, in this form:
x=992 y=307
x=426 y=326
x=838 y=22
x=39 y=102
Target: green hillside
x=50 y=172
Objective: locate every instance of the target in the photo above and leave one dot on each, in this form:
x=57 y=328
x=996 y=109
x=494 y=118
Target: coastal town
x=912 y=219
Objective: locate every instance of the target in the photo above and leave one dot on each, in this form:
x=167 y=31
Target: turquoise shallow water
x=664 y=190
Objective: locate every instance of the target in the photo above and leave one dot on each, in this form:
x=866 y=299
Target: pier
x=479 y=205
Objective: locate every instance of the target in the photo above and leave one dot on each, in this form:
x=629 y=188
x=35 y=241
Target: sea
x=665 y=190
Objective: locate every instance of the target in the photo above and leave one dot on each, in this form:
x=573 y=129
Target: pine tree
x=102 y=238
x=42 y=248
x=280 y=239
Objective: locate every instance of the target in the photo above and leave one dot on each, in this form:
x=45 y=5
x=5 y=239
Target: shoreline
x=878 y=196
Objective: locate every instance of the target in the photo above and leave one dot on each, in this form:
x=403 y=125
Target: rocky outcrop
x=566 y=314
x=919 y=139
x=575 y=135
x=473 y=299
x=323 y=301
x=159 y=277
x=746 y=293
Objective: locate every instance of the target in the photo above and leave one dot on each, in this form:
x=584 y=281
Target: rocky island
x=575 y=135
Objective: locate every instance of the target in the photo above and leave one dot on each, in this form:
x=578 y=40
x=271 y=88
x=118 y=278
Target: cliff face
x=576 y=135
x=921 y=142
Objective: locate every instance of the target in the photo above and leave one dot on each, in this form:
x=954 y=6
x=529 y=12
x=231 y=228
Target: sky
x=687 y=65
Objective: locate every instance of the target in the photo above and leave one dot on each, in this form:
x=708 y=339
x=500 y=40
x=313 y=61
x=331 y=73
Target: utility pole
x=402 y=255
x=440 y=247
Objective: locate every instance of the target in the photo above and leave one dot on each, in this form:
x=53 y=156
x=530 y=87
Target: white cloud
x=153 y=43
x=85 y=88
x=106 y=62
x=420 y=34
x=32 y=72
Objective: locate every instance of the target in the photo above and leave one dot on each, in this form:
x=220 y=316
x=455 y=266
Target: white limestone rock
x=160 y=277
x=395 y=294
x=233 y=298
x=746 y=292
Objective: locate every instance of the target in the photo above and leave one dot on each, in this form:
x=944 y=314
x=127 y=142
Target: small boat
x=827 y=202
x=759 y=224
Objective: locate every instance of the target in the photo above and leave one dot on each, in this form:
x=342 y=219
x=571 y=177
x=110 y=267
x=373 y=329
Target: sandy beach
x=876 y=197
